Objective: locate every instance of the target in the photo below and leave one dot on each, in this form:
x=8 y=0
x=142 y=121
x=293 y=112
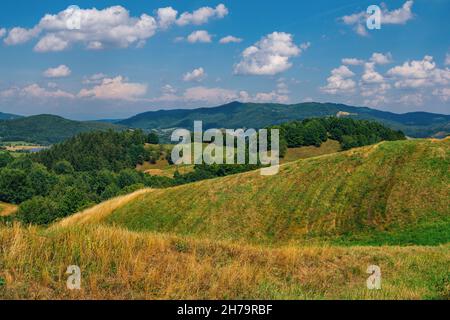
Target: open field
x=328 y=147
x=7 y=209
x=119 y=264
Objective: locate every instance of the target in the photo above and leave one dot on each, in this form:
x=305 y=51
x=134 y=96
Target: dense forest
x=96 y=166
x=350 y=133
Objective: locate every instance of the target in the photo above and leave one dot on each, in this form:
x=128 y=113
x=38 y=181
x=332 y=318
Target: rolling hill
x=47 y=129
x=259 y=115
x=309 y=232
x=389 y=193
x=8 y=116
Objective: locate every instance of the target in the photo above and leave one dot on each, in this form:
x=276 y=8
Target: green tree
x=153 y=138
x=63 y=167
x=39 y=210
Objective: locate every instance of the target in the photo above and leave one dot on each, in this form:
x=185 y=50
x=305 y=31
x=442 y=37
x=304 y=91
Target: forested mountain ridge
x=47 y=129
x=8 y=116
x=259 y=115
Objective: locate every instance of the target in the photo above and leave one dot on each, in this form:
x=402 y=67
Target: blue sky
x=113 y=59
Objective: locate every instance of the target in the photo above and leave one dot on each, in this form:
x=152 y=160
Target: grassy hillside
x=118 y=264
x=47 y=129
x=260 y=115
x=386 y=190
x=7 y=209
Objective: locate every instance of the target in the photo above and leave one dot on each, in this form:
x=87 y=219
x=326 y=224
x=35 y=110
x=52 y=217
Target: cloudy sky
x=105 y=59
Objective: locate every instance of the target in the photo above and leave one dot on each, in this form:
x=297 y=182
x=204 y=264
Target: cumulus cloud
x=216 y=95
x=20 y=35
x=230 y=39
x=269 y=56
x=447 y=59
x=370 y=75
x=199 y=36
x=380 y=58
x=58 y=72
x=166 y=17
x=2 y=32
x=340 y=81
x=117 y=88
x=34 y=91
x=398 y=16
x=195 y=75
x=419 y=73
x=202 y=15
x=352 y=62
x=110 y=27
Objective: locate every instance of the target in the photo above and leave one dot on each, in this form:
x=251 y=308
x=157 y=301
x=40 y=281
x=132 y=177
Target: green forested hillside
x=47 y=129
x=260 y=115
x=8 y=116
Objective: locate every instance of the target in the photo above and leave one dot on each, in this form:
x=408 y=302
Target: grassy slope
x=328 y=147
x=7 y=209
x=391 y=187
x=121 y=264
x=118 y=264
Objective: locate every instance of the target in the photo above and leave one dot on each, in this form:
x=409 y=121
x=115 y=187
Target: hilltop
x=260 y=115
x=8 y=116
x=47 y=129
x=389 y=193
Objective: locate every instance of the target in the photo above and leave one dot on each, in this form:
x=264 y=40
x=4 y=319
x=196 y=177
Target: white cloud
x=447 y=59
x=397 y=16
x=51 y=42
x=168 y=89
x=352 y=62
x=166 y=17
x=443 y=94
x=212 y=96
x=340 y=81
x=34 y=91
x=19 y=35
x=270 y=55
x=58 y=72
x=195 y=75
x=419 y=73
x=416 y=99
x=2 y=32
x=270 y=97
x=230 y=39
x=95 y=78
x=370 y=75
x=109 y=27
x=380 y=58
x=117 y=88
x=202 y=15
x=199 y=36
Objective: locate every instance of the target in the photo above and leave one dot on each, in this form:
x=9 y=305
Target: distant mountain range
x=47 y=129
x=259 y=115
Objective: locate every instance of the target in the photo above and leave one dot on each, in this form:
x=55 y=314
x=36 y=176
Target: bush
x=39 y=210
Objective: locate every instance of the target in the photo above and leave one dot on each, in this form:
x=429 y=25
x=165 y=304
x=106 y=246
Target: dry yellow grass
x=101 y=211
x=7 y=209
x=327 y=147
x=119 y=264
